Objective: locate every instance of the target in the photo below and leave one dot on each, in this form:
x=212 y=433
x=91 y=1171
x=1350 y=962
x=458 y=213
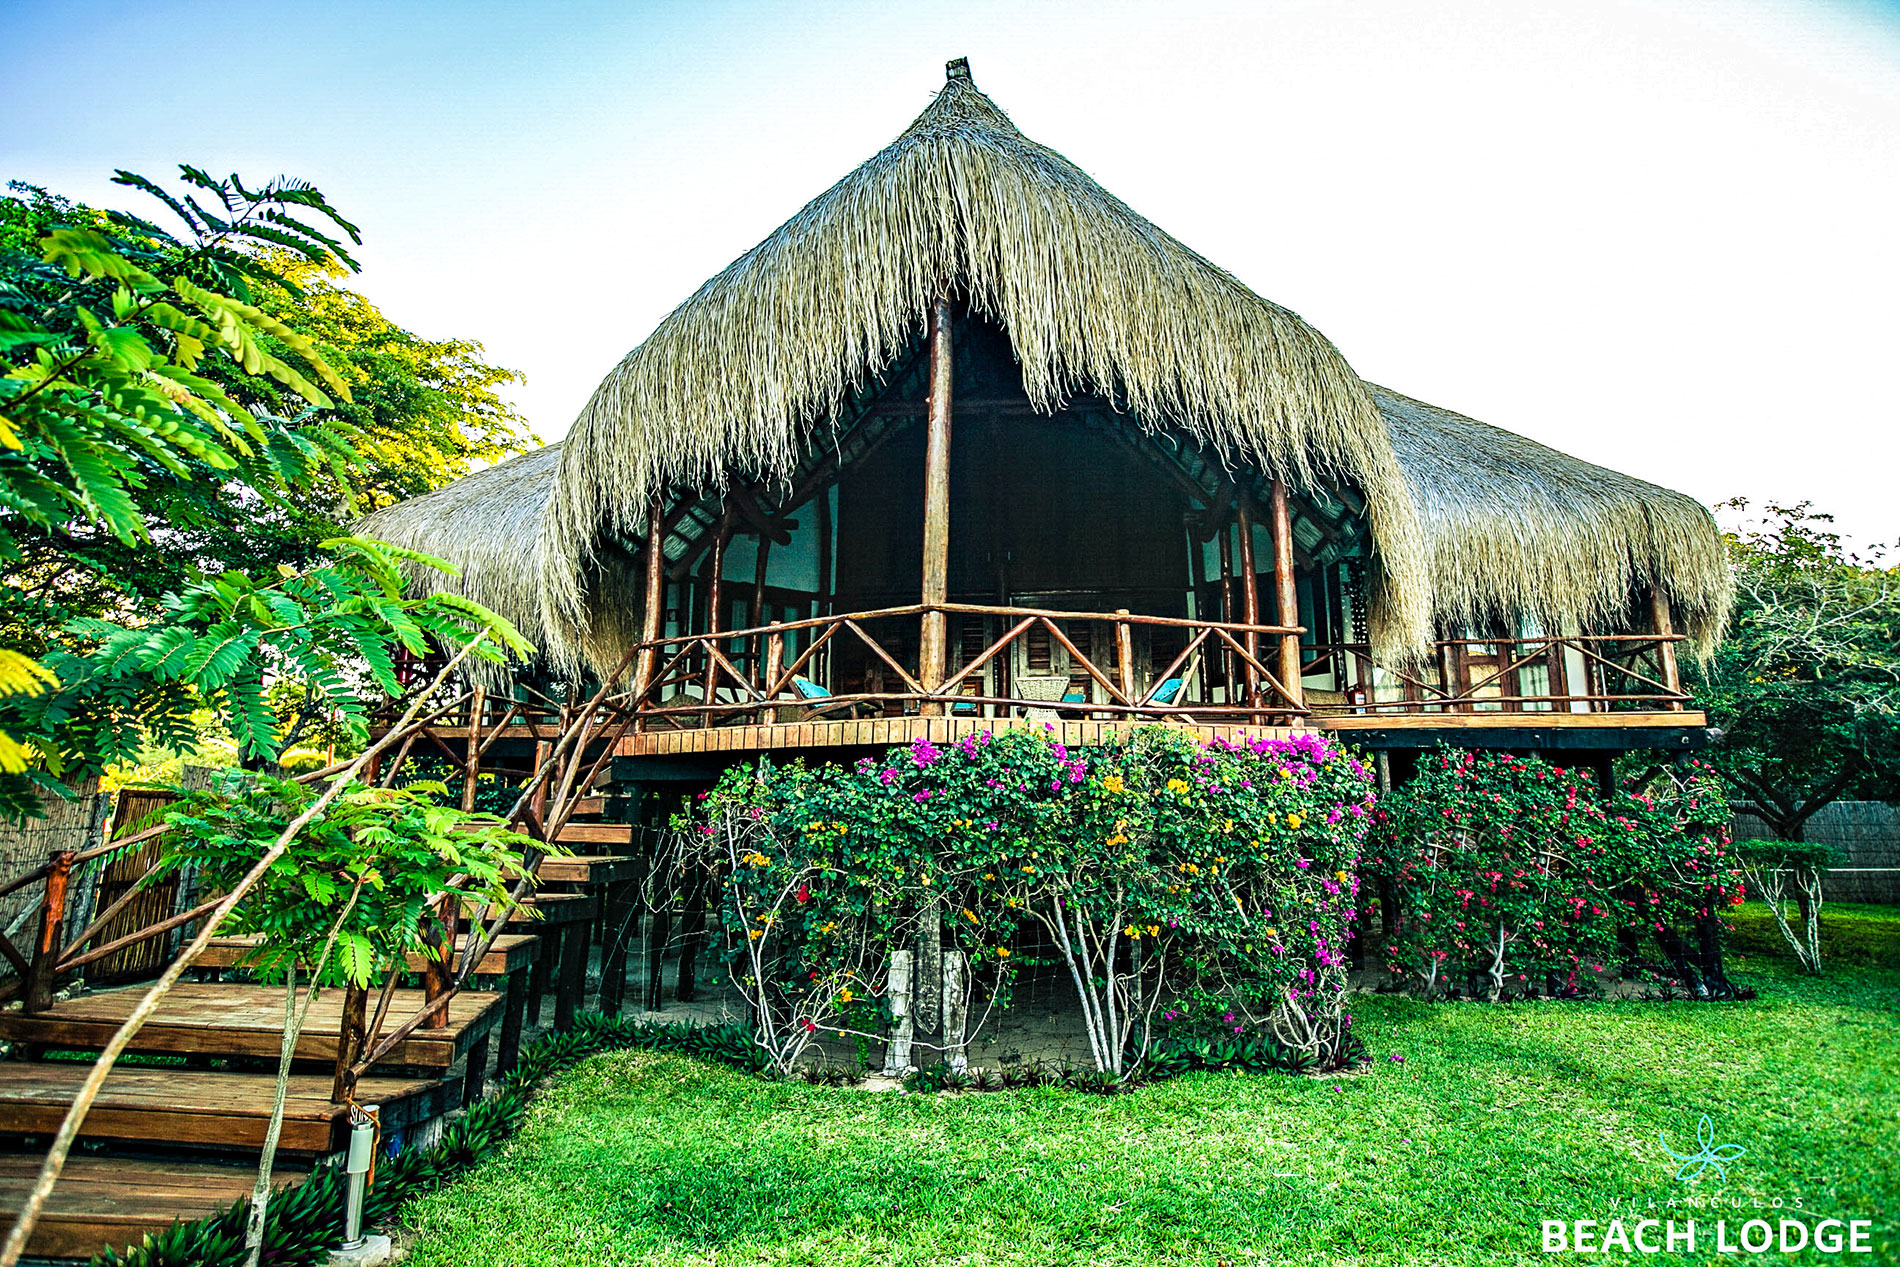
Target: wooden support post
x=755 y=615
x=514 y=1006
x=438 y=971
x=475 y=1077
x=1249 y=605
x=1660 y=618
x=821 y=606
x=1286 y=593
x=1125 y=654
x=714 y=601
x=352 y=1037
x=541 y=975
x=1227 y=610
x=572 y=983
x=41 y=978
x=934 y=637
x=538 y=803
x=618 y=899
x=472 y=761
x=654 y=614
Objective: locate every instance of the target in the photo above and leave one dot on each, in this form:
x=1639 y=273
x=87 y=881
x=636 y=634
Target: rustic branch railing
x=1594 y=673
x=745 y=674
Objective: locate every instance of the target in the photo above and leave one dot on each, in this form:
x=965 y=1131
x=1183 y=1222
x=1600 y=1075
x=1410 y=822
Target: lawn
x=1496 y=1117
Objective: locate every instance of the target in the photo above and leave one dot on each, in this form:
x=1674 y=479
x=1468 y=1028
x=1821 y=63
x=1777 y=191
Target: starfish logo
x=1707 y=1154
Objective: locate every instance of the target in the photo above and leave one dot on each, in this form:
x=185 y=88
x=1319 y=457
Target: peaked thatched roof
x=1516 y=528
x=1092 y=297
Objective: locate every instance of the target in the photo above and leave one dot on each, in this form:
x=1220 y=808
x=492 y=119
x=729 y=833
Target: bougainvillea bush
x=1512 y=873
x=1156 y=868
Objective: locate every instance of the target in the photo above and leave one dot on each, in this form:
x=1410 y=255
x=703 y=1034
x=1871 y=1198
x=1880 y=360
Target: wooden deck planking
x=230 y=1019
x=194 y=1106
x=114 y=1202
x=510 y=952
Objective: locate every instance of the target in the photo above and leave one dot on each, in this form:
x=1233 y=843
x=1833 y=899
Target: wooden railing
x=1594 y=673
x=1121 y=664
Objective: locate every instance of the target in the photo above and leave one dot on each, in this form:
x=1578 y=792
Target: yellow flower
x=1341 y=876
x=969 y=914
x=755 y=934
x=1131 y=931
x=1178 y=786
x=1002 y=952
x=1154 y=930
x=1113 y=783
x=844 y=995
x=1294 y=821
x=989 y=875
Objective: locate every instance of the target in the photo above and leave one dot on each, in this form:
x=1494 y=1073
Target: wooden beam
x=1286 y=592
x=741 y=498
x=714 y=599
x=934 y=637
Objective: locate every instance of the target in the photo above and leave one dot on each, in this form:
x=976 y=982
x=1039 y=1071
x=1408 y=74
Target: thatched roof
x=1093 y=298
x=1512 y=526
x=1518 y=528
x=488 y=525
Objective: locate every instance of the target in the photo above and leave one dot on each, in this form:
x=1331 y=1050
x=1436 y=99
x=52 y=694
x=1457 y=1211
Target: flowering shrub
x=1154 y=867
x=1508 y=870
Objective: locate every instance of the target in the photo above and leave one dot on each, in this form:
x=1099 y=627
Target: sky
x=1660 y=236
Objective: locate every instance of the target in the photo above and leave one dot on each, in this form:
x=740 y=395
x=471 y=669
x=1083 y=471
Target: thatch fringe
x=488 y=524
x=1516 y=528
x=1092 y=296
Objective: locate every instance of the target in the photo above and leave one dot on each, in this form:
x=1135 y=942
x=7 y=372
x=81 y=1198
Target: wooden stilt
x=1286 y=593
x=715 y=601
x=351 y=1040
x=41 y=978
x=934 y=638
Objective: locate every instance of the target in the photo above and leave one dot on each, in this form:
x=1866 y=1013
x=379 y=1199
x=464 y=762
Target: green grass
x=1497 y=1117
x=1851 y=933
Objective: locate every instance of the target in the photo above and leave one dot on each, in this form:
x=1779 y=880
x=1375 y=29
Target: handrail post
x=38 y=986
x=934 y=634
x=1125 y=654
x=774 y=665
x=1286 y=595
x=471 y=762
x=1665 y=629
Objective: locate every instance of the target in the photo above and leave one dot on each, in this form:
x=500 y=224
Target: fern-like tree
x=347 y=902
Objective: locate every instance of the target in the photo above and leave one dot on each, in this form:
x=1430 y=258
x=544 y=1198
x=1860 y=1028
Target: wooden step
x=588 y=869
x=596 y=834
x=105 y=1203
x=511 y=951
x=197 y=1106
x=590 y=807
x=210 y=1018
x=541 y=910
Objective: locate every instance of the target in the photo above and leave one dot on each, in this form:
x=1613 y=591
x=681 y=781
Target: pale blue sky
x=1658 y=235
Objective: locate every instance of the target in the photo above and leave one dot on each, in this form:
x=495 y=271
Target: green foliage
x=368 y=867
x=1806 y=688
x=1153 y=867
x=1509 y=871
x=267 y=655
x=416 y=413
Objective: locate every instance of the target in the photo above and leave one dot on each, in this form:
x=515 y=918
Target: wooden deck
x=204 y=1107
x=117 y=1201
x=208 y=1018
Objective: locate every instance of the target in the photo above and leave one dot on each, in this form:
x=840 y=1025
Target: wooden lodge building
x=967 y=443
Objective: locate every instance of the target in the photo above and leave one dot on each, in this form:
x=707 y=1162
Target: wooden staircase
x=176 y=1132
